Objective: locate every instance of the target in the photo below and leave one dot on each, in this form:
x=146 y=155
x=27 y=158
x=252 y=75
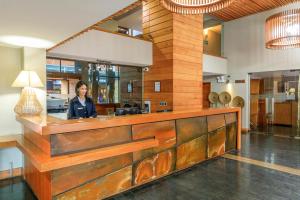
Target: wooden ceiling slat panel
x=242 y=8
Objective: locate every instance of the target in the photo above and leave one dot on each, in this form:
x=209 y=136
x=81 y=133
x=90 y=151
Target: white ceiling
x=54 y=20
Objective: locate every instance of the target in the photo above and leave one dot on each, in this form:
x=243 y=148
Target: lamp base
x=28 y=103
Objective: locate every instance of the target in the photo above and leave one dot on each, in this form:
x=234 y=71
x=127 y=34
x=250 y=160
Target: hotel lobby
x=150 y=99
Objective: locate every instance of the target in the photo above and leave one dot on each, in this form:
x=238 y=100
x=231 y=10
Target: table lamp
x=28 y=103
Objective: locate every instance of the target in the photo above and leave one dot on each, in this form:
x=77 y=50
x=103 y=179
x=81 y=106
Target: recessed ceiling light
x=26 y=41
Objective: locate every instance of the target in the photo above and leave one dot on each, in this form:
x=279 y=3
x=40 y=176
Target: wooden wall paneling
x=283 y=113
x=177 y=57
x=85 y=140
x=102 y=187
x=154 y=167
x=187 y=30
x=40 y=183
x=70 y=177
x=215 y=121
x=216 y=142
x=191 y=152
x=255 y=86
x=190 y=128
x=231 y=137
x=164 y=132
x=243 y=8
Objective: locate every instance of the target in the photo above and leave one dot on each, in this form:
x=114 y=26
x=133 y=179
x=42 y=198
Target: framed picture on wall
x=129 y=87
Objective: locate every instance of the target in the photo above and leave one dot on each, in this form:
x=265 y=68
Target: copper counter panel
x=180 y=143
x=153 y=167
x=91 y=139
x=216 y=142
x=190 y=128
x=71 y=177
x=231 y=136
x=163 y=131
x=101 y=187
x=215 y=121
x=192 y=152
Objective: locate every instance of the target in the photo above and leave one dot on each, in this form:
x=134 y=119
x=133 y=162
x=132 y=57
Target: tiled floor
x=277 y=130
x=219 y=178
x=15 y=189
x=277 y=150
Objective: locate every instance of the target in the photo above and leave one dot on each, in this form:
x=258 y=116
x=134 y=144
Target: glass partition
x=104 y=83
x=274 y=99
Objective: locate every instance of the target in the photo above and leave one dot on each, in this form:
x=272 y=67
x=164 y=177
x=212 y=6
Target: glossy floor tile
x=219 y=178
x=267 y=148
x=277 y=130
x=15 y=189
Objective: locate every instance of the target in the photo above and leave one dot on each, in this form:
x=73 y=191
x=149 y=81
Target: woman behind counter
x=81 y=106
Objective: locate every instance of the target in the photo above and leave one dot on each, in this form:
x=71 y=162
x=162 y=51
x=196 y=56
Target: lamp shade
x=28 y=79
x=195 y=7
x=283 y=30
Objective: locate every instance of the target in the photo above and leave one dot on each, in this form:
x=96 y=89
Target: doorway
x=274 y=102
x=206 y=90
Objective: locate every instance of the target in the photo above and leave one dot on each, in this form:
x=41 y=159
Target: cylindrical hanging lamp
x=283 y=30
x=194 y=7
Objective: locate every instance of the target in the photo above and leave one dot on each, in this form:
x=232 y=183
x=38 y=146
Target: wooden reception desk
x=97 y=158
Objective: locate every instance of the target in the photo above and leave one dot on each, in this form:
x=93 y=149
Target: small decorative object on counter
x=238 y=102
x=213 y=98
x=225 y=98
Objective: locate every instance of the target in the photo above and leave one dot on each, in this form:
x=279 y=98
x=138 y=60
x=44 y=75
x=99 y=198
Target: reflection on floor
x=219 y=178
x=267 y=148
x=280 y=131
x=15 y=189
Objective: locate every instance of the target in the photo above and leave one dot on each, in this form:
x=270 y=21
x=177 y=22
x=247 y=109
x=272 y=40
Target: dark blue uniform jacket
x=77 y=110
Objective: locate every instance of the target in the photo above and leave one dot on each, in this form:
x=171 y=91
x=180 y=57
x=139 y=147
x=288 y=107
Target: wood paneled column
x=177 y=58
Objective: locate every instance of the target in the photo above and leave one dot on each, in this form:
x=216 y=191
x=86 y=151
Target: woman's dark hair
x=78 y=85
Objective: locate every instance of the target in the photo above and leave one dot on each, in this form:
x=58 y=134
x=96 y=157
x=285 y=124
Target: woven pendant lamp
x=194 y=7
x=282 y=30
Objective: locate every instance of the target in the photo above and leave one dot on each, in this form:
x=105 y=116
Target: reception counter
x=101 y=157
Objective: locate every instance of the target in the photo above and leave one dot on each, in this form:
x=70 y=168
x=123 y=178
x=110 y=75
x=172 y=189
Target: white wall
x=12 y=61
x=10 y=66
x=235 y=89
x=35 y=59
x=118 y=49
x=214 y=65
x=244 y=46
